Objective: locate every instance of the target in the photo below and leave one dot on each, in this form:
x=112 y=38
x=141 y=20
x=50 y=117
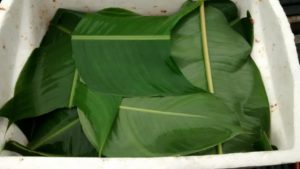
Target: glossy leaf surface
x=174 y=125
x=158 y=126
x=132 y=52
x=228 y=50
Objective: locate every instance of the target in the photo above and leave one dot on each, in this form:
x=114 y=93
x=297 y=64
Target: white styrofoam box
x=3 y=128
x=6 y=153
x=23 y=24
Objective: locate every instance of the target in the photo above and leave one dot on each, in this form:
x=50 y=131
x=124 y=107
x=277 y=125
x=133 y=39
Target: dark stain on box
x=163 y=11
x=274 y=107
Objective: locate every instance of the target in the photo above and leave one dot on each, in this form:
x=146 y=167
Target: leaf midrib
x=46 y=138
x=121 y=37
x=168 y=113
x=17 y=145
x=76 y=74
x=63 y=29
x=73 y=88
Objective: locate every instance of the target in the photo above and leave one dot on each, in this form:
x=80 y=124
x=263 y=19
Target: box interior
x=23 y=24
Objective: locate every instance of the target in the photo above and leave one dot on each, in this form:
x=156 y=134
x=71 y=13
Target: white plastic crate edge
x=290 y=152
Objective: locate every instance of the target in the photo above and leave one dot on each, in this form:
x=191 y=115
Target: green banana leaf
x=92 y=120
x=157 y=126
x=47 y=79
x=263 y=143
x=133 y=51
x=92 y=105
x=65 y=20
x=58 y=133
x=147 y=126
x=256 y=108
x=244 y=26
x=228 y=50
x=228 y=8
x=236 y=78
x=97 y=114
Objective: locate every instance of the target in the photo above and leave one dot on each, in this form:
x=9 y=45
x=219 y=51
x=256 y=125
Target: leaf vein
x=161 y=112
x=121 y=37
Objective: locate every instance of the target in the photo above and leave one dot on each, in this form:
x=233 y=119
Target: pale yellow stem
x=207 y=58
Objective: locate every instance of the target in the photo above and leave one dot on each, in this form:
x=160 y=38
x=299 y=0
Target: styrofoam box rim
x=274 y=52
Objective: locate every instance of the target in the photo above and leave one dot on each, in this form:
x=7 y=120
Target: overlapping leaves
x=58 y=133
x=246 y=96
x=121 y=46
x=122 y=58
x=46 y=80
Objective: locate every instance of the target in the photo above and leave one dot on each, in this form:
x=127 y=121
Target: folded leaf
x=256 y=109
x=132 y=52
x=228 y=8
x=228 y=49
x=244 y=26
x=58 y=133
x=97 y=113
x=236 y=78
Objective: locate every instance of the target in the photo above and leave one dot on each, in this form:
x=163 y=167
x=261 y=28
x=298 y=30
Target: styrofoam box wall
x=24 y=22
